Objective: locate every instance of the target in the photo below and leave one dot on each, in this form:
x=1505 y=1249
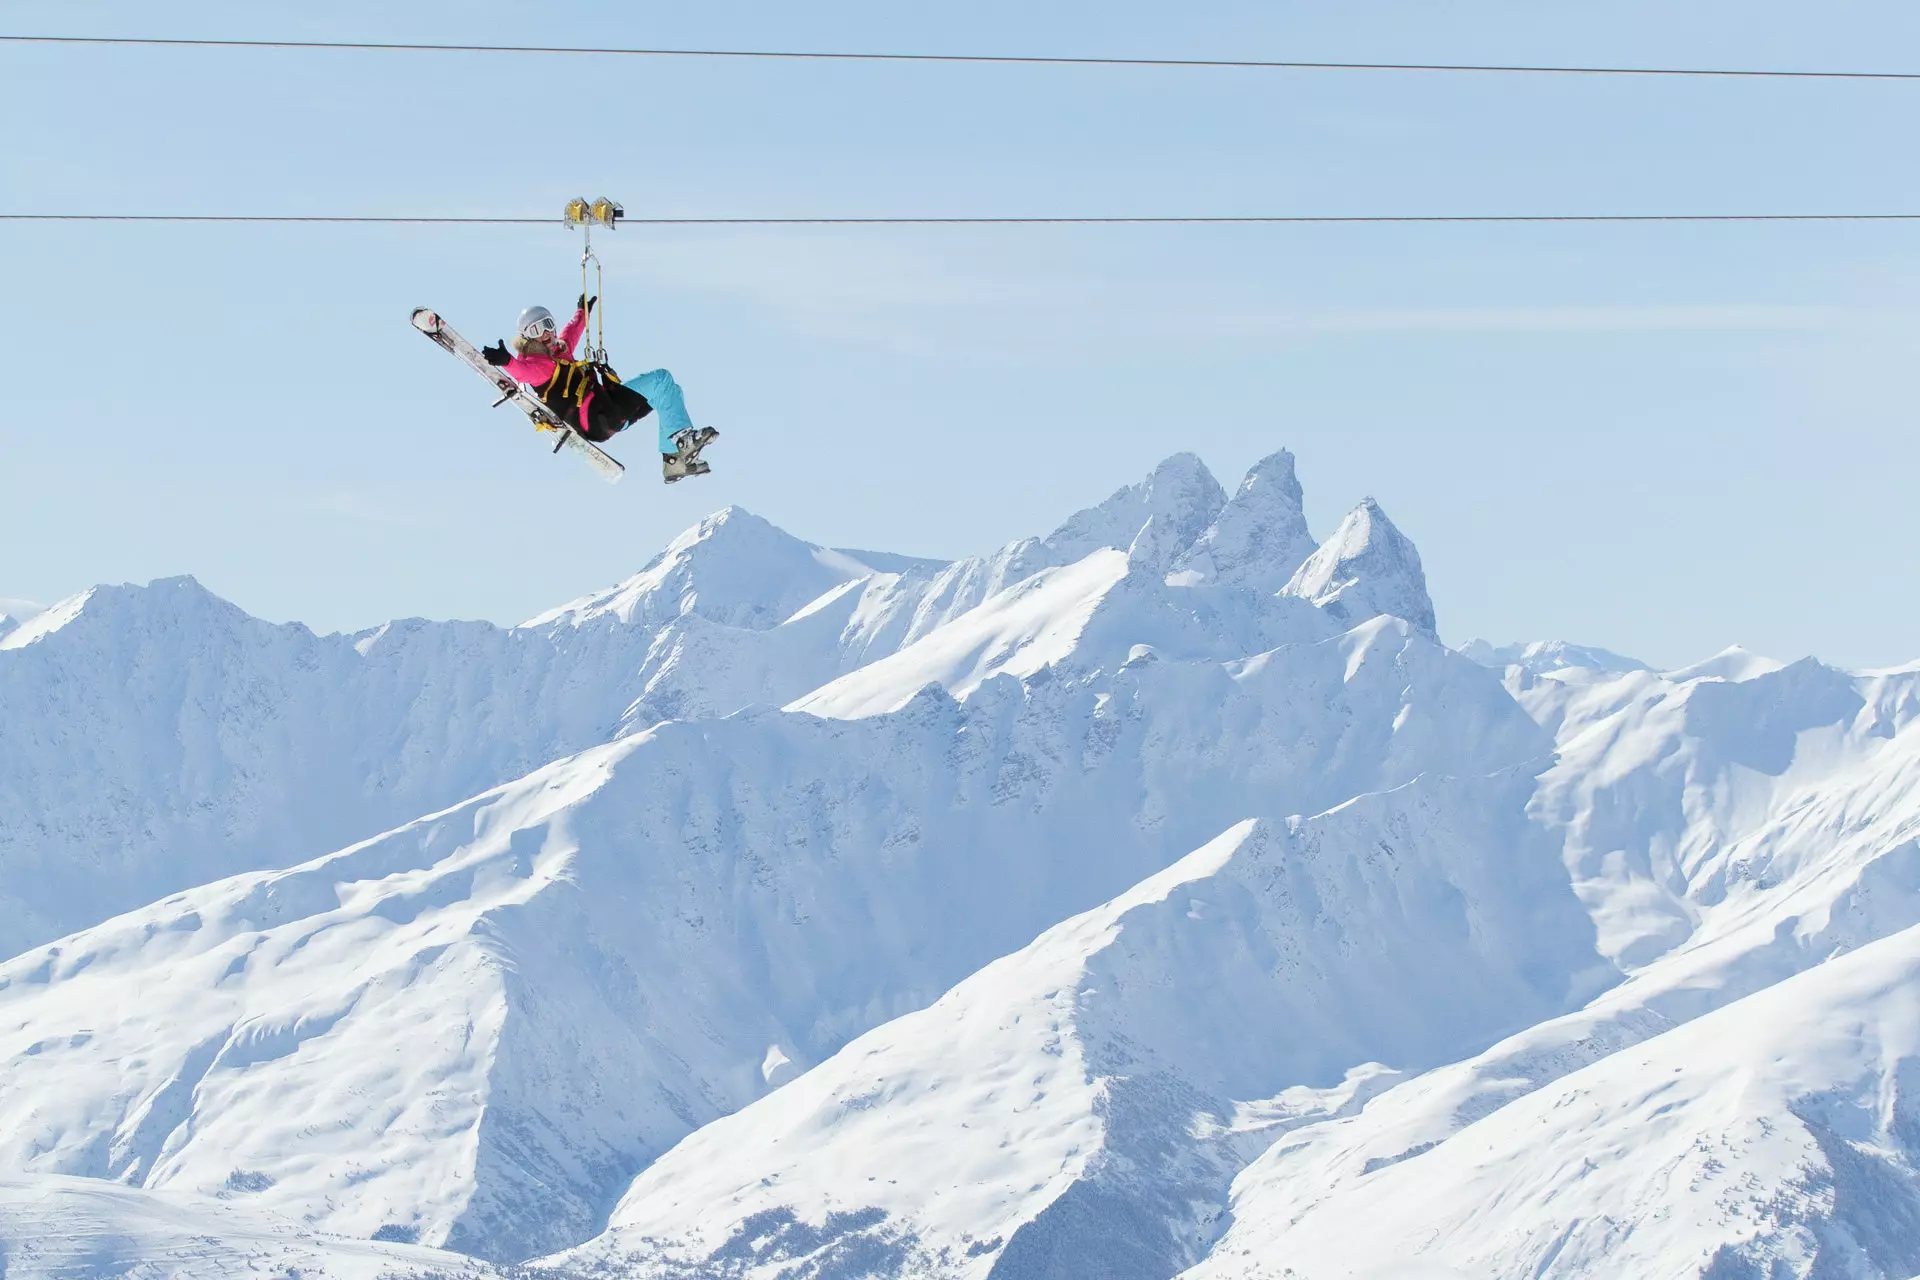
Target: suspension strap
x=580 y=214
x=584 y=256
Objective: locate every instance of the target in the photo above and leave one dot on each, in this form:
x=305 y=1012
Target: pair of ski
x=678 y=466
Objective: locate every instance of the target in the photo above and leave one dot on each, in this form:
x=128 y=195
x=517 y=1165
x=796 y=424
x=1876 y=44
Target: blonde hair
x=522 y=345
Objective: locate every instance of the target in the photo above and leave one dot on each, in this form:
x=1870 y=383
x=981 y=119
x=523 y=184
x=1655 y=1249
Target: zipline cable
x=990 y=220
x=797 y=55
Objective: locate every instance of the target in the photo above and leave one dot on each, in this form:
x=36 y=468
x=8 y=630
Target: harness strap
x=575 y=378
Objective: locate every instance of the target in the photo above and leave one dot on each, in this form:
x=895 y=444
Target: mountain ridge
x=696 y=926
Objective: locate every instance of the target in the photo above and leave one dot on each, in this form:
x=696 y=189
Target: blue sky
x=1660 y=439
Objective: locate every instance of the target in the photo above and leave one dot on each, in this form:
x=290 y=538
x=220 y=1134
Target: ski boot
x=686 y=462
x=691 y=441
x=674 y=466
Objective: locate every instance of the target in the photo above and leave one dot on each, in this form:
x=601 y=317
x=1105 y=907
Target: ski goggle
x=544 y=327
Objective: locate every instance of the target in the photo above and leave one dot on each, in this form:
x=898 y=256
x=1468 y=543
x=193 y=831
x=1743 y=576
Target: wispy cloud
x=908 y=297
x=887 y=294
x=1569 y=318
x=360 y=508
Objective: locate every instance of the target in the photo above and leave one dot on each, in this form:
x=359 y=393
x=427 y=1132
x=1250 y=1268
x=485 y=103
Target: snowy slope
x=54 y=1228
x=1780 y=871
x=1778 y=1137
x=1089 y=619
x=14 y=611
x=1830 y=864
x=1666 y=785
x=1551 y=657
x=479 y=1027
x=1080 y=1106
x=1179 y=498
x=1019 y=631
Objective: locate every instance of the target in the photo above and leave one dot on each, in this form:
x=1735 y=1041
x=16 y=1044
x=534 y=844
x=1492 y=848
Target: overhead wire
x=1307 y=219
x=1229 y=64
x=1009 y=59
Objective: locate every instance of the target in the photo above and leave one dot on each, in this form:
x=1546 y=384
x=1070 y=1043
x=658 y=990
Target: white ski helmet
x=537 y=322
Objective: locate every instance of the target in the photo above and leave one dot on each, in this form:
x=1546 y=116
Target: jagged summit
x=1180 y=494
x=1367 y=567
x=1260 y=537
x=1170 y=507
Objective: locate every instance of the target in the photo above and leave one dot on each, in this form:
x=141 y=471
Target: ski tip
x=425 y=320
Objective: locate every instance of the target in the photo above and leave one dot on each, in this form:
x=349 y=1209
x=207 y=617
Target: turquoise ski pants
x=669 y=407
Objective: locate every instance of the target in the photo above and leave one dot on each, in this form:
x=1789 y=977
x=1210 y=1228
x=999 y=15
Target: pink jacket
x=534 y=369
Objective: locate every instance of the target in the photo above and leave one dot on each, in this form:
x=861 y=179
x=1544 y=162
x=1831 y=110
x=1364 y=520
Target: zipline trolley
x=584 y=215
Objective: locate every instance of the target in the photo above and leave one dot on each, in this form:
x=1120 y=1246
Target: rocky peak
x=1180 y=495
x=1260 y=537
x=1368 y=567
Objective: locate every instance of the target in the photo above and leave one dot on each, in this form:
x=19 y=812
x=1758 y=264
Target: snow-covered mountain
x=1778 y=1136
x=66 y=1228
x=14 y=611
x=1259 y=537
x=210 y=742
x=637 y=929
x=169 y=739
x=1090 y=1097
x=1546 y=657
x=1726 y=836
x=1156 y=895
x=1367 y=568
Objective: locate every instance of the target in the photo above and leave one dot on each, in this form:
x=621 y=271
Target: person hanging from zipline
x=590 y=397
